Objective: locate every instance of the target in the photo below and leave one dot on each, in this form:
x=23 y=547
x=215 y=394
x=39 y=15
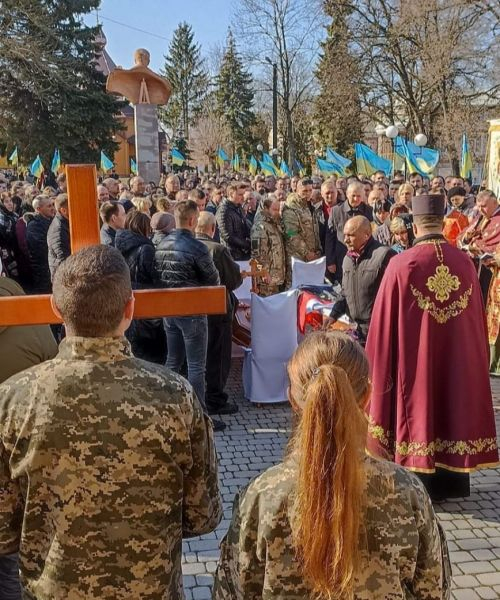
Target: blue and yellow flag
x=466 y=162
x=221 y=157
x=300 y=168
x=341 y=162
x=267 y=165
x=106 y=163
x=252 y=165
x=268 y=168
x=133 y=167
x=328 y=168
x=37 y=167
x=177 y=158
x=14 y=157
x=418 y=159
x=284 y=170
x=368 y=161
x=235 y=163
x=56 y=162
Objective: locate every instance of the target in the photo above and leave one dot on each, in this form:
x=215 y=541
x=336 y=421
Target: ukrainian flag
x=466 y=163
x=300 y=168
x=327 y=168
x=252 y=165
x=368 y=161
x=56 y=162
x=177 y=158
x=284 y=170
x=222 y=157
x=133 y=167
x=106 y=163
x=268 y=169
x=14 y=157
x=37 y=167
x=235 y=163
x=418 y=159
x=341 y=162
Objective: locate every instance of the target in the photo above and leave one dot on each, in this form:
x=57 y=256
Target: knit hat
x=456 y=191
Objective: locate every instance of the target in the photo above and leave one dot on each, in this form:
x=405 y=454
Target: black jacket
x=335 y=249
x=8 y=222
x=139 y=253
x=58 y=242
x=234 y=229
x=36 y=239
x=229 y=271
x=183 y=261
x=360 y=282
x=108 y=235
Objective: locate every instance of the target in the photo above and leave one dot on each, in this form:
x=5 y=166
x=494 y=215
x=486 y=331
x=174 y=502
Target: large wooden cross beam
x=84 y=228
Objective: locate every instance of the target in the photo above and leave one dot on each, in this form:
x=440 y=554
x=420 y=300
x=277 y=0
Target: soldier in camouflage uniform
x=107 y=461
x=401 y=549
x=268 y=247
x=300 y=224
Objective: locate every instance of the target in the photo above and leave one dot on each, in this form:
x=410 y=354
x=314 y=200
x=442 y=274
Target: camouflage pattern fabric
x=268 y=249
x=106 y=463
x=301 y=228
x=403 y=549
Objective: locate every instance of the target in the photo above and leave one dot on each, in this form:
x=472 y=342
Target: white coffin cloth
x=243 y=292
x=308 y=273
x=274 y=340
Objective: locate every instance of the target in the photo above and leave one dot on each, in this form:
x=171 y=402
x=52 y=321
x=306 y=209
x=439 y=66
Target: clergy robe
x=431 y=405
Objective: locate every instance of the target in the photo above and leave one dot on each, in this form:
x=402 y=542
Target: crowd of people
x=328 y=522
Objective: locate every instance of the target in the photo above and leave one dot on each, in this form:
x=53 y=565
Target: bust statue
x=140 y=85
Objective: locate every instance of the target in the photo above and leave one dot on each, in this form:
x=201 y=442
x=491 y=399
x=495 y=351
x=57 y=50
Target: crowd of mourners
x=296 y=530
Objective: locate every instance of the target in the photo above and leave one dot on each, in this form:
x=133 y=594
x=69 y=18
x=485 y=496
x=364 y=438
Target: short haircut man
x=124 y=459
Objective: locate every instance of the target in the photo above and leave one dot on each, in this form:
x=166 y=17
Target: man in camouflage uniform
x=301 y=225
x=403 y=553
x=106 y=461
x=268 y=247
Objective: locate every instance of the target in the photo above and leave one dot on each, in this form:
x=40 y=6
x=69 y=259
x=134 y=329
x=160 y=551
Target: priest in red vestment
x=431 y=408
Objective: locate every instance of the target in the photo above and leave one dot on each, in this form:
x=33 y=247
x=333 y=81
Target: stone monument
x=145 y=90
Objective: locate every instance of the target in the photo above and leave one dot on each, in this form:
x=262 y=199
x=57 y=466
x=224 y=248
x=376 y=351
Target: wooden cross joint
x=84 y=228
x=256 y=272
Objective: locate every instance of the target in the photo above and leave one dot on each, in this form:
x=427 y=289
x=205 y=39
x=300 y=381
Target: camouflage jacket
x=106 y=463
x=403 y=550
x=268 y=247
x=301 y=228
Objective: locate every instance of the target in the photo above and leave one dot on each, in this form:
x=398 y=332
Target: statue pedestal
x=146 y=142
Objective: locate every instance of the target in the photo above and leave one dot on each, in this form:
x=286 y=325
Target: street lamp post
x=275 y=101
x=392 y=133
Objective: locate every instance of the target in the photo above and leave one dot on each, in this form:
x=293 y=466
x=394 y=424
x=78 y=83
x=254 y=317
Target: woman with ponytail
x=330 y=523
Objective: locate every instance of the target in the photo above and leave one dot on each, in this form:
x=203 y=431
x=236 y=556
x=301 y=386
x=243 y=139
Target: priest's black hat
x=428 y=204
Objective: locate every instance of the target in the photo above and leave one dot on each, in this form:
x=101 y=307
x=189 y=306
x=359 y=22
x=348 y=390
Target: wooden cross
x=84 y=227
x=256 y=272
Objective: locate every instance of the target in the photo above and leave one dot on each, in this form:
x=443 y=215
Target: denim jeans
x=10 y=588
x=187 y=339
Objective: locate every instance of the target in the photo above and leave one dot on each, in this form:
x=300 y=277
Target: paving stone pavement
x=256 y=437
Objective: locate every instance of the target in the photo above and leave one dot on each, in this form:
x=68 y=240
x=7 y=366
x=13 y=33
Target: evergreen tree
x=235 y=97
x=185 y=70
x=338 y=104
x=51 y=94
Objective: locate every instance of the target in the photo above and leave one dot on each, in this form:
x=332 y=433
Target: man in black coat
x=36 y=239
x=113 y=217
x=219 y=326
x=58 y=238
x=335 y=248
x=183 y=261
x=363 y=268
x=234 y=228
